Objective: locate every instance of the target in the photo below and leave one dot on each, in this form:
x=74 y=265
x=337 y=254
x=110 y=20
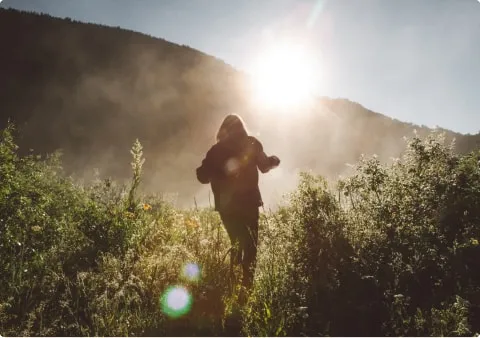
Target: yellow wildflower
x=147 y=207
x=129 y=214
x=191 y=223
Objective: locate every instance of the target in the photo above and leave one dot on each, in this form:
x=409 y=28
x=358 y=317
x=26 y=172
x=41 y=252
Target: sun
x=285 y=76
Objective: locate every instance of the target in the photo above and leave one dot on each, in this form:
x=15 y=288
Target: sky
x=414 y=60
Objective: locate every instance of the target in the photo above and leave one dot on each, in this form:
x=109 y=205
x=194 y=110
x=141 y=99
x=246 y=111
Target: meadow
x=391 y=250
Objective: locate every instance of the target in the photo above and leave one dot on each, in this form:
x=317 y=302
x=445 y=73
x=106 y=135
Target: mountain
x=91 y=90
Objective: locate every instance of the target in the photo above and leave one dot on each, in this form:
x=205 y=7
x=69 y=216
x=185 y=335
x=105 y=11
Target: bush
x=95 y=260
x=391 y=250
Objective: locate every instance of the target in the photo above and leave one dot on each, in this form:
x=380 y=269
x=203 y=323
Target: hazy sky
x=414 y=60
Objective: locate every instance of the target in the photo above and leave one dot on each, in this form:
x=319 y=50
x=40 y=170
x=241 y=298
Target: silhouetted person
x=231 y=168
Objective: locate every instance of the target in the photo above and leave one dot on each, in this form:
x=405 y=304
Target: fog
x=97 y=89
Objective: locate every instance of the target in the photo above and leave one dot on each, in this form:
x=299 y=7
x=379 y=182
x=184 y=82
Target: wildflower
x=129 y=214
x=474 y=241
x=191 y=223
x=147 y=207
x=36 y=228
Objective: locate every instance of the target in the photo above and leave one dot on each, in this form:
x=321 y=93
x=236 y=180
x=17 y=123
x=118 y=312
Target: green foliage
x=95 y=260
x=137 y=165
x=390 y=250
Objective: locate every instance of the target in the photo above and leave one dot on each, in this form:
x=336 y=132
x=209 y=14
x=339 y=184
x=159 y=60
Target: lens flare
x=232 y=166
x=176 y=301
x=191 y=272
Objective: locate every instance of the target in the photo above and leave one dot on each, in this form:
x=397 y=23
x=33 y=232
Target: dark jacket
x=231 y=168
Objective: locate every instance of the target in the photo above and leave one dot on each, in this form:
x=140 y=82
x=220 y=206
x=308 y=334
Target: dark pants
x=242 y=228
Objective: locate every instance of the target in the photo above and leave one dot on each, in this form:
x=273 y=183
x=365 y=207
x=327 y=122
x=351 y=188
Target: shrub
x=391 y=250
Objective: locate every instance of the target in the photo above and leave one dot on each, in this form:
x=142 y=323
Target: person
x=231 y=167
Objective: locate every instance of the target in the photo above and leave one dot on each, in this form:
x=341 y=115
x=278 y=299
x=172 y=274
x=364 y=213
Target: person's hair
x=232 y=126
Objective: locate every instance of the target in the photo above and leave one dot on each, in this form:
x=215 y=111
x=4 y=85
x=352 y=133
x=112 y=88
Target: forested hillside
x=90 y=90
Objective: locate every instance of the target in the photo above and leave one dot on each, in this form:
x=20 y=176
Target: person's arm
x=204 y=171
x=265 y=163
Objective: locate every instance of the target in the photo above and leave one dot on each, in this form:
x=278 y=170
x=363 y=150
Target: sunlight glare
x=286 y=76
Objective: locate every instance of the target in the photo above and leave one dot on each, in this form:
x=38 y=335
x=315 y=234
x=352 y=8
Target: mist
x=91 y=90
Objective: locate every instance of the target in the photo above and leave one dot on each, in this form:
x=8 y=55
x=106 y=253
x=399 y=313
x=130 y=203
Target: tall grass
x=391 y=250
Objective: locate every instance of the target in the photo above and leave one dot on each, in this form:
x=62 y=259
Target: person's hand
x=275 y=161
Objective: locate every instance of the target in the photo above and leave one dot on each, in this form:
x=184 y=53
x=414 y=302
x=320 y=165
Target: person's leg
x=230 y=222
x=250 y=242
